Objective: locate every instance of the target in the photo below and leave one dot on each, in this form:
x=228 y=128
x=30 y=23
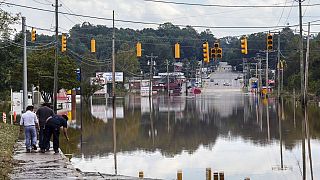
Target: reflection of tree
x=195 y=128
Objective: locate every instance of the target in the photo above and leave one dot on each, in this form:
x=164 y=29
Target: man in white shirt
x=30 y=122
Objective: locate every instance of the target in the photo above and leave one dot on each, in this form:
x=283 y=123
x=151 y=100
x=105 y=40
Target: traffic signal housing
x=219 y=53
x=138 y=48
x=93 y=45
x=213 y=53
x=63 y=43
x=33 y=34
x=269 y=42
x=216 y=45
x=244 y=45
x=205 y=48
x=177 y=51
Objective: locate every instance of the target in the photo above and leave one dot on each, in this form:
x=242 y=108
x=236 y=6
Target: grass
x=8 y=137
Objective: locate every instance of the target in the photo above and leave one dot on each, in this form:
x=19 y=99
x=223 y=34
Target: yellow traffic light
x=244 y=45
x=33 y=34
x=219 y=53
x=139 y=49
x=205 y=49
x=93 y=45
x=177 y=51
x=63 y=43
x=269 y=42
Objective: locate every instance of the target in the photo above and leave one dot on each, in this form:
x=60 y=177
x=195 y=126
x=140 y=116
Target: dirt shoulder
x=8 y=137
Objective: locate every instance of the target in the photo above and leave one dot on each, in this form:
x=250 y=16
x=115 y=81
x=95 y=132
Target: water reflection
x=240 y=134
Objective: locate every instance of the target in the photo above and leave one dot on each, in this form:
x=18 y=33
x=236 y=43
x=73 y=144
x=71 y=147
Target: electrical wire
x=151 y=23
x=227 y=6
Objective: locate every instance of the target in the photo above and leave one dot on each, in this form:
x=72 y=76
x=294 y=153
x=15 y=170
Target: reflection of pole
x=268 y=120
x=308 y=140
x=280 y=133
x=294 y=108
x=151 y=120
x=169 y=103
x=303 y=149
x=114 y=138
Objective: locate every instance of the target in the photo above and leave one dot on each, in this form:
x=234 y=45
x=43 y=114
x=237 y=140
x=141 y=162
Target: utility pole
x=267 y=71
x=168 y=79
x=305 y=94
x=55 y=75
x=260 y=77
x=151 y=73
x=279 y=66
x=301 y=52
x=25 y=70
x=113 y=61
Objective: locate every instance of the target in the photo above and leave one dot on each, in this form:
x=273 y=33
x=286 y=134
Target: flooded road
x=239 y=134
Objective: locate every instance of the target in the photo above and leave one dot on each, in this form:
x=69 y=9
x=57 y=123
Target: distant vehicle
x=226 y=84
x=216 y=84
x=211 y=80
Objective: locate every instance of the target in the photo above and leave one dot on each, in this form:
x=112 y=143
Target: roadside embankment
x=8 y=137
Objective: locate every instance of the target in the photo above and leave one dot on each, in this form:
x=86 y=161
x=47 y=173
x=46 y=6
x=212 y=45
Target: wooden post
x=179 y=175
x=208 y=173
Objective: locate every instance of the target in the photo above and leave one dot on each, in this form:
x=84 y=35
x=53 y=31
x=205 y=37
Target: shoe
x=56 y=151
x=47 y=149
x=28 y=150
x=42 y=151
x=34 y=147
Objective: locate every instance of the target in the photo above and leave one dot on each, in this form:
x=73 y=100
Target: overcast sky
x=140 y=10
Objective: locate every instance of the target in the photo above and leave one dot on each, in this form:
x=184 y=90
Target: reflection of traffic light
x=213 y=53
x=219 y=53
x=177 y=51
x=93 y=45
x=244 y=45
x=63 y=43
x=205 y=47
x=269 y=42
x=138 y=49
x=33 y=34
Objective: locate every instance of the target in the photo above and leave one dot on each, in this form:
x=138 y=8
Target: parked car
x=226 y=84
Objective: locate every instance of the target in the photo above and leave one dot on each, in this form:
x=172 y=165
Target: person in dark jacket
x=43 y=113
x=52 y=128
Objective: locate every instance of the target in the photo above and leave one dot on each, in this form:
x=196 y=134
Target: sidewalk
x=36 y=165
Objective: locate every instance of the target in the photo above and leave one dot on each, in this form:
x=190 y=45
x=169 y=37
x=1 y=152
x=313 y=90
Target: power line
x=151 y=23
x=227 y=6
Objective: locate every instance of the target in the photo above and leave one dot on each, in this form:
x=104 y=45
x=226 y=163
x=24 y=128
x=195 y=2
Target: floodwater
x=239 y=134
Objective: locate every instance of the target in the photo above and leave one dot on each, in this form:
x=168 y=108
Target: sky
x=141 y=10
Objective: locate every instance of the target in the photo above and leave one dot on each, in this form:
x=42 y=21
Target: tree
x=40 y=72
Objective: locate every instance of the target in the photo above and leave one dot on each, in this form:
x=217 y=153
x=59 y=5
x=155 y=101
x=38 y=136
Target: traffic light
x=244 y=45
x=63 y=43
x=269 y=42
x=177 y=51
x=93 y=45
x=219 y=53
x=213 y=52
x=216 y=45
x=33 y=34
x=205 y=47
x=139 y=49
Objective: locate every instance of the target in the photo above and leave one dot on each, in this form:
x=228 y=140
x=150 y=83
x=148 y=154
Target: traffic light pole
x=151 y=73
x=301 y=54
x=25 y=70
x=113 y=61
x=55 y=75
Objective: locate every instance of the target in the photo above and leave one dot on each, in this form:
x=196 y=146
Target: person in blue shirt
x=52 y=128
x=30 y=122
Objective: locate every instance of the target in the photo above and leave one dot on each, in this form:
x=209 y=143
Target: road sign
x=108 y=76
